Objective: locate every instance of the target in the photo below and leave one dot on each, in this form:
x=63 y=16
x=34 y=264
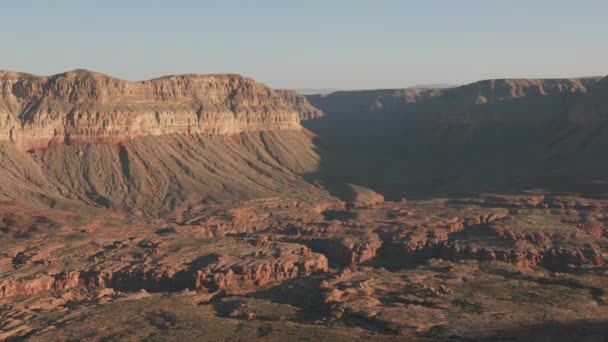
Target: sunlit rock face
x=85 y=107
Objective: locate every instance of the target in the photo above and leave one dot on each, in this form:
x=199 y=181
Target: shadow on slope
x=553 y=331
x=398 y=155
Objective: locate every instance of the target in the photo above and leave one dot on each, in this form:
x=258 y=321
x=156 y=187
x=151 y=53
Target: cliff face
x=593 y=108
x=508 y=101
x=86 y=107
x=372 y=101
x=495 y=101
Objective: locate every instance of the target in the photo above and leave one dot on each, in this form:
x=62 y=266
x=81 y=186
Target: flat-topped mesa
x=81 y=106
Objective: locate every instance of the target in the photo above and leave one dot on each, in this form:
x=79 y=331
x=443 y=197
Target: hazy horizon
x=338 y=45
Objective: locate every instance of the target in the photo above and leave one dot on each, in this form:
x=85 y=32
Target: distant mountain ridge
x=500 y=99
x=434 y=86
x=325 y=91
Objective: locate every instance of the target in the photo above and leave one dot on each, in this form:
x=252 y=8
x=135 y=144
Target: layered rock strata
x=85 y=107
x=488 y=101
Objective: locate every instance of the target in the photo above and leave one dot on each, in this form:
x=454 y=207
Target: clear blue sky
x=296 y=44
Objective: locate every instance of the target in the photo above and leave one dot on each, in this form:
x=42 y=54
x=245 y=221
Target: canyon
x=213 y=207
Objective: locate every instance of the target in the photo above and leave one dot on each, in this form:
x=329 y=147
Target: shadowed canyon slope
x=512 y=134
x=198 y=208
x=502 y=100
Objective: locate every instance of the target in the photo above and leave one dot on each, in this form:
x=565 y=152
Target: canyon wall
x=87 y=107
x=489 y=101
x=593 y=108
x=488 y=135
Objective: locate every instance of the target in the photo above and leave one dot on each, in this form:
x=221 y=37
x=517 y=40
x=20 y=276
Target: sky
x=343 y=44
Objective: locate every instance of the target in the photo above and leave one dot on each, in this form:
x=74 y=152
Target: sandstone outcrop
x=87 y=107
x=240 y=275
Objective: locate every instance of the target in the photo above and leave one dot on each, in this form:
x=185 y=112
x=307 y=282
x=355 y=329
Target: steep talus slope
x=157 y=174
x=490 y=135
x=86 y=107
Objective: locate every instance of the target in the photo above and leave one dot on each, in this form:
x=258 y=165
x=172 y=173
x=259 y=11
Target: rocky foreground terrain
x=197 y=208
